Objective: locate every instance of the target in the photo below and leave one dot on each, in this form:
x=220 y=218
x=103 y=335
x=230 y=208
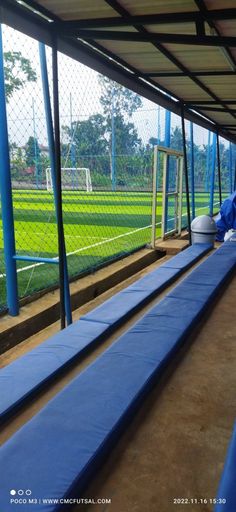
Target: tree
x=86 y=145
x=33 y=157
x=87 y=136
x=89 y=143
x=18 y=71
x=116 y=99
x=32 y=152
x=118 y=105
x=17 y=161
x=176 y=139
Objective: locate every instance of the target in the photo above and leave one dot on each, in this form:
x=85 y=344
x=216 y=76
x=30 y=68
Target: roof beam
x=36 y=9
x=193 y=103
x=207 y=17
x=151 y=37
x=215 y=109
x=147 y=19
x=166 y=74
x=123 y=12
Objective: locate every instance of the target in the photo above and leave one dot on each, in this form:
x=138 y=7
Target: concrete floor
x=176 y=445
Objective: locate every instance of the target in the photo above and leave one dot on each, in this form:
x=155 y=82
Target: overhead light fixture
x=32 y=9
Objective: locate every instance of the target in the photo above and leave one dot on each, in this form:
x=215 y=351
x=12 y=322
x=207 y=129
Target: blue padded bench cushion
x=65 y=442
x=227 y=487
x=28 y=374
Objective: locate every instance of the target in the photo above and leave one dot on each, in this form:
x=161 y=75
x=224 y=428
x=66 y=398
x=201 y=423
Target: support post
x=230 y=169
x=208 y=162
x=154 y=198
x=167 y=145
x=186 y=174
x=64 y=286
x=212 y=182
x=167 y=128
x=158 y=125
x=60 y=228
x=192 y=170
x=6 y=199
x=35 y=147
x=219 y=167
x=72 y=148
x=113 y=145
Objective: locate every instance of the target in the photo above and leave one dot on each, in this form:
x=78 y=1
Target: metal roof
x=175 y=52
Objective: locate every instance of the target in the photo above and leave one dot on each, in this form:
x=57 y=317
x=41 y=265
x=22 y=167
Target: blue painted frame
x=6 y=198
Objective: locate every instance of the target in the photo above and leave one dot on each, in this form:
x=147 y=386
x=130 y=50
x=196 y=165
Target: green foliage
x=116 y=99
x=89 y=142
x=17 y=161
x=18 y=71
x=127 y=141
x=118 y=105
x=32 y=152
x=88 y=136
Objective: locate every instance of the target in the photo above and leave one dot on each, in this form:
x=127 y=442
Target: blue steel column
x=51 y=144
x=219 y=167
x=212 y=184
x=167 y=128
x=230 y=169
x=186 y=174
x=158 y=125
x=192 y=170
x=35 y=147
x=6 y=198
x=72 y=148
x=158 y=142
x=208 y=162
x=113 y=145
x=167 y=145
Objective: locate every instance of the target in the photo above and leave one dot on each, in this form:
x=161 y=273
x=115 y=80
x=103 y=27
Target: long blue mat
x=60 y=449
x=25 y=376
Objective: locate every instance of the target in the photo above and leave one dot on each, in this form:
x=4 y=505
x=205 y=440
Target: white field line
x=66 y=236
x=28 y=267
x=74 y=236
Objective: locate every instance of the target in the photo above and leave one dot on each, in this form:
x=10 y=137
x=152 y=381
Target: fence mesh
x=107 y=138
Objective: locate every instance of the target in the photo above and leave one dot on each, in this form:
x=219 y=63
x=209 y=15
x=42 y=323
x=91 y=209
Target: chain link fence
x=107 y=138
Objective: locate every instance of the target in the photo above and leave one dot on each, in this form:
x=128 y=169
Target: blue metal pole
x=72 y=148
x=212 y=184
x=6 y=198
x=113 y=145
x=208 y=162
x=35 y=148
x=158 y=124
x=192 y=170
x=167 y=144
x=51 y=143
x=158 y=141
x=167 y=128
x=230 y=169
x=37 y=259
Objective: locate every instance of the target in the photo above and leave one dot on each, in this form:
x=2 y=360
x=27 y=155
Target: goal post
x=72 y=178
x=171 y=194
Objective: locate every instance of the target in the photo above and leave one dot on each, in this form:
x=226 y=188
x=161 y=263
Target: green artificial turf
x=98 y=226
